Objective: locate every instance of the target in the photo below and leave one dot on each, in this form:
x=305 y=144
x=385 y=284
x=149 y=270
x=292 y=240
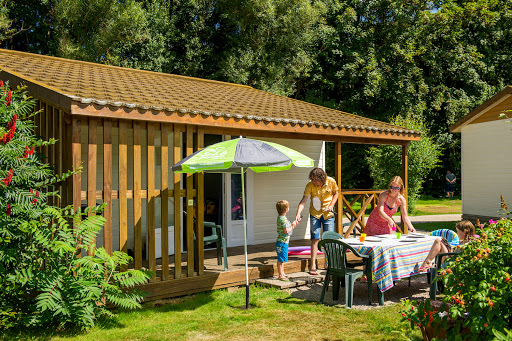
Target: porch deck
x=262 y=263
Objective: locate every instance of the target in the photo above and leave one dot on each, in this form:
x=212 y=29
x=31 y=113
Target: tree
x=5 y=23
x=385 y=162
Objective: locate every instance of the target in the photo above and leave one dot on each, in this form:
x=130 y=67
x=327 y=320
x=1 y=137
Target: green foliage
x=434 y=60
x=478 y=287
x=5 y=23
x=386 y=161
x=87 y=30
x=43 y=279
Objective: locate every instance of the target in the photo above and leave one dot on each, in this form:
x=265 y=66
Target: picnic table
x=392 y=258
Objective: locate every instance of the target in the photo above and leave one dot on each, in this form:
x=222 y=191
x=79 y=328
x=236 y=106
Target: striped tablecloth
x=393 y=258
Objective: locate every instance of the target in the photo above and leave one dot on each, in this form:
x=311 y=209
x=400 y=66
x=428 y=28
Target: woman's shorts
x=282 y=251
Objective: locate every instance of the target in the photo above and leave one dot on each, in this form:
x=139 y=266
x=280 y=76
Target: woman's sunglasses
x=395 y=188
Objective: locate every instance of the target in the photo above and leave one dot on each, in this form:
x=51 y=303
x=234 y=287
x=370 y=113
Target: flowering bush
x=478 y=285
x=43 y=281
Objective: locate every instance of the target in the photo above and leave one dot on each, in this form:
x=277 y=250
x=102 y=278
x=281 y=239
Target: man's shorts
x=318 y=223
x=282 y=251
x=450 y=188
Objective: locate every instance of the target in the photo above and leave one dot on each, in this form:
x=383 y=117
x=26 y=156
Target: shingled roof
x=91 y=89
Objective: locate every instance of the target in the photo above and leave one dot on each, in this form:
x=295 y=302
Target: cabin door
x=234 y=212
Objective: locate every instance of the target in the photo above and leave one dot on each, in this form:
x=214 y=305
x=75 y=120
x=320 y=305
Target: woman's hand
x=391 y=224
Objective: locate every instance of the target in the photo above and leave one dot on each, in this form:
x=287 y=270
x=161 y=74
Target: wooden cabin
x=486 y=157
x=127 y=127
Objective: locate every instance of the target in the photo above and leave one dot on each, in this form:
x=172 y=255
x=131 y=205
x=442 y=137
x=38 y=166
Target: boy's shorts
x=282 y=251
x=316 y=226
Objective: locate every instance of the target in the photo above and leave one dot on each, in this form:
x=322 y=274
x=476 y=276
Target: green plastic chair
x=218 y=238
x=335 y=251
x=331 y=235
x=440 y=264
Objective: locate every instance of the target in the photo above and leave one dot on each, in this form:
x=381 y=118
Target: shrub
x=385 y=162
x=43 y=280
x=478 y=285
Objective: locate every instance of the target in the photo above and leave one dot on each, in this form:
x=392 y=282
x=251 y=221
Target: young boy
x=284 y=231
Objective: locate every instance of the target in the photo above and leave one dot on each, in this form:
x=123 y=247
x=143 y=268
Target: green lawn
x=212 y=316
x=277 y=315
x=429 y=206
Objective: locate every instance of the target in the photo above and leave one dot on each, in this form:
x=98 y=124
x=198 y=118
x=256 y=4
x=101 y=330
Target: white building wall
x=486 y=167
x=286 y=185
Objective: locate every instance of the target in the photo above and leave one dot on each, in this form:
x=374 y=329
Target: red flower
x=7 y=180
x=8 y=98
x=11 y=126
x=1 y=84
x=8 y=207
x=37 y=194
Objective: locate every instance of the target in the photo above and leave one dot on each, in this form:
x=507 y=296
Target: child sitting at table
x=465 y=231
x=284 y=231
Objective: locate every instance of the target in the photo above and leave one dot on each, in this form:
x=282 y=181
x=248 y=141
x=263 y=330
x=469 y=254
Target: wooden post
x=123 y=180
x=51 y=154
x=76 y=162
x=337 y=174
x=107 y=184
x=58 y=155
x=164 y=197
x=151 y=199
x=177 y=204
x=200 y=210
x=91 y=168
x=190 y=206
x=405 y=178
x=137 y=199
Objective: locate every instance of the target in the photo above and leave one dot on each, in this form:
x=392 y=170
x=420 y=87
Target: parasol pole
x=245 y=244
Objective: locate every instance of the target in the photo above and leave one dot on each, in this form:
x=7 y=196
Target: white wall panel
x=486 y=167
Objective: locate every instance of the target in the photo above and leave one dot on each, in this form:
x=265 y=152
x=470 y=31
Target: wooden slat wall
x=123 y=185
x=76 y=149
x=200 y=211
x=107 y=184
x=51 y=152
x=137 y=200
x=151 y=198
x=164 y=194
x=58 y=153
x=190 y=206
x=66 y=154
x=177 y=205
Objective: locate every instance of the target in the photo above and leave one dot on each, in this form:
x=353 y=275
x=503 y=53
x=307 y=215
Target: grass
x=212 y=316
x=431 y=206
x=276 y=316
x=428 y=206
x=436 y=225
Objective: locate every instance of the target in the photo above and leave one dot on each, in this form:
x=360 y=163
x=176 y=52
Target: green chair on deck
x=335 y=251
x=331 y=235
x=218 y=238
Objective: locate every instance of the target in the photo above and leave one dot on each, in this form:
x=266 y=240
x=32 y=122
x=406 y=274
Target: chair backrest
x=451 y=236
x=331 y=235
x=335 y=250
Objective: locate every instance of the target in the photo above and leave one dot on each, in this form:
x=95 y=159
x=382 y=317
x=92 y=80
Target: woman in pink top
x=380 y=220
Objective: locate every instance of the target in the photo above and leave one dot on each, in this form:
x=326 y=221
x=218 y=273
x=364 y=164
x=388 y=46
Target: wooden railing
x=366 y=197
